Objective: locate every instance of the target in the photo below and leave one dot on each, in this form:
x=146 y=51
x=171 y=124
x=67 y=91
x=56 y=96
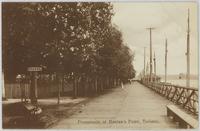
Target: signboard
x=34 y=69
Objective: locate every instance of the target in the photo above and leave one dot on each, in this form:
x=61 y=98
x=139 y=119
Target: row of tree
x=74 y=40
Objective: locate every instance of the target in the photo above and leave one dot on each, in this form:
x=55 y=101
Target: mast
x=166 y=60
x=188 y=52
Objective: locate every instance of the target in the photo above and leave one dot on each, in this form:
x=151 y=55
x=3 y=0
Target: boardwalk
x=133 y=107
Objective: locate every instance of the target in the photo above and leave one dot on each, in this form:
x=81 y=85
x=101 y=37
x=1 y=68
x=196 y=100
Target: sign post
x=19 y=80
x=34 y=76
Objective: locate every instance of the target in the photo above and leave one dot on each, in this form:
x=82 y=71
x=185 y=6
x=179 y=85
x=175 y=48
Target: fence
x=14 y=91
x=185 y=97
x=45 y=89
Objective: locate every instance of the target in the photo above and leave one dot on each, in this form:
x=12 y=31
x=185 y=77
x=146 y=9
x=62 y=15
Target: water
x=182 y=82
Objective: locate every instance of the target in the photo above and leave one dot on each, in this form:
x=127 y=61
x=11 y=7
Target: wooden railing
x=185 y=97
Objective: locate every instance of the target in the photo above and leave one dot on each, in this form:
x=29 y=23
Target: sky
x=170 y=22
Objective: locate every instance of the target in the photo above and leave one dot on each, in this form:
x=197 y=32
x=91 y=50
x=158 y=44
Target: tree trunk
x=58 y=102
x=107 y=80
x=89 y=87
x=85 y=86
x=100 y=84
x=75 y=88
x=96 y=85
x=78 y=86
x=104 y=83
x=60 y=86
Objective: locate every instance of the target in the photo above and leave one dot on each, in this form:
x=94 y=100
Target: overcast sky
x=170 y=21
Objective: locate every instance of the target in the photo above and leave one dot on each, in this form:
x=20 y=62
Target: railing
x=185 y=97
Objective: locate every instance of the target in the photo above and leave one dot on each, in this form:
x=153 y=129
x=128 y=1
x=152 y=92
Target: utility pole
x=154 y=59
x=150 y=30
x=147 y=71
x=166 y=60
x=144 y=60
x=188 y=52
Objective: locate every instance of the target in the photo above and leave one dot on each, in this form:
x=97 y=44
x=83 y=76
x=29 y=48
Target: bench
x=31 y=110
x=185 y=120
x=19 y=113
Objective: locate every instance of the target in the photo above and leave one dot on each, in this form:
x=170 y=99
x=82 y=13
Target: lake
x=182 y=82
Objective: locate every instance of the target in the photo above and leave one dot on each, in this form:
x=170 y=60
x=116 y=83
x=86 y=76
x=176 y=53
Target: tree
x=74 y=39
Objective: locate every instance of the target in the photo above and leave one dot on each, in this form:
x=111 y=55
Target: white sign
x=34 y=69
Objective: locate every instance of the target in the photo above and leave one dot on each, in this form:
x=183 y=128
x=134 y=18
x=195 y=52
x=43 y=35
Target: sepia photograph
x=100 y=65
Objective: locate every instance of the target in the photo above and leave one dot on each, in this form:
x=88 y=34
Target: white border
x=90 y=1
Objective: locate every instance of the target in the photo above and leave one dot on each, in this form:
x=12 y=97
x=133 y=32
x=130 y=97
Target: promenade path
x=132 y=107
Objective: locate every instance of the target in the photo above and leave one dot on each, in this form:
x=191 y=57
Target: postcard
x=100 y=65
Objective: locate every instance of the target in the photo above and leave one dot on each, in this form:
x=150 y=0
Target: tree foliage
x=76 y=39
